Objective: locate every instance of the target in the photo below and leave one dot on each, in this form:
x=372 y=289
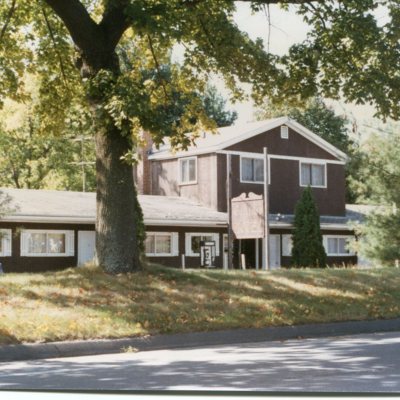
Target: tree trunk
x=116 y=198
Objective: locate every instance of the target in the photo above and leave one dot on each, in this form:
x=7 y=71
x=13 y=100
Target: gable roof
x=55 y=206
x=228 y=136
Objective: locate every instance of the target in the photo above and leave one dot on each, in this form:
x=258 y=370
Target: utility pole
x=266 y=265
x=82 y=163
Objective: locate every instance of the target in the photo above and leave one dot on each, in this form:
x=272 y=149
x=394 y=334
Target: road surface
x=360 y=363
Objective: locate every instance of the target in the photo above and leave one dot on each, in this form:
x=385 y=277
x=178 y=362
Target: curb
x=21 y=352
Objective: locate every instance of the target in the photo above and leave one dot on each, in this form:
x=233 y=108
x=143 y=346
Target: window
x=312 y=174
x=337 y=245
x=193 y=242
x=188 y=170
x=52 y=243
x=284 y=132
x=287 y=245
x=252 y=170
x=161 y=244
x=5 y=242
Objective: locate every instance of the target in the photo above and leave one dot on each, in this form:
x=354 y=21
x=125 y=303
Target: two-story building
x=297 y=158
x=184 y=199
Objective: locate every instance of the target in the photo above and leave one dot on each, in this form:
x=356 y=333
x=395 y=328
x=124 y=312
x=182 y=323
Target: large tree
x=348 y=51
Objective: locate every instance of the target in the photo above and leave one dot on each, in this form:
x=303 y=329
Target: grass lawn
x=85 y=303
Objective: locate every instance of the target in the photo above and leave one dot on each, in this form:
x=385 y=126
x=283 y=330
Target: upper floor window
x=188 y=170
x=251 y=170
x=338 y=245
x=47 y=243
x=312 y=174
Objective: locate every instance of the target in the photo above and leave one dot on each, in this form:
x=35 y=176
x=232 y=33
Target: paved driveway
x=361 y=363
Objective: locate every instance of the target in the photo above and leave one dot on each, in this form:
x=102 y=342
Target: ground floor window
x=287 y=245
x=47 y=243
x=193 y=241
x=338 y=245
x=161 y=244
x=5 y=242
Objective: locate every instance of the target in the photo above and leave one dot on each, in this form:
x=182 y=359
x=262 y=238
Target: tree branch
x=55 y=46
x=8 y=19
x=84 y=31
x=114 y=22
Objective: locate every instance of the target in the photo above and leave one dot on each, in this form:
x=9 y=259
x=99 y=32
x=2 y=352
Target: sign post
x=229 y=206
x=266 y=214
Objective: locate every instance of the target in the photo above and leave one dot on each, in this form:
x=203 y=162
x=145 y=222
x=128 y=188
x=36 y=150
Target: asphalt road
x=360 y=363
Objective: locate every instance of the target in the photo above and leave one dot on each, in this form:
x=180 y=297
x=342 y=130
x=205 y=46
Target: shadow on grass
x=166 y=300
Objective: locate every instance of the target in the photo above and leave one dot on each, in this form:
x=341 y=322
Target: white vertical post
x=243 y=261
x=229 y=209
x=266 y=214
x=257 y=254
x=183 y=261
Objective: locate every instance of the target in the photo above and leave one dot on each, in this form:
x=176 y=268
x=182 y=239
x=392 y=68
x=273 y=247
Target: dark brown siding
x=16 y=263
x=296 y=146
x=190 y=262
x=285 y=189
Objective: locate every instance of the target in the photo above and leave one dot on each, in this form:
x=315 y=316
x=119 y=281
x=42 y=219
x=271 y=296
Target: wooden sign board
x=248 y=216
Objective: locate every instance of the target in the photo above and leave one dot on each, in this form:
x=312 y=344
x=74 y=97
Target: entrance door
x=274 y=251
x=86 y=246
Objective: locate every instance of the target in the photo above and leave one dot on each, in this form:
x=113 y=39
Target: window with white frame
x=287 y=245
x=251 y=169
x=284 y=132
x=312 y=174
x=193 y=241
x=188 y=170
x=5 y=242
x=47 y=243
x=163 y=244
x=338 y=245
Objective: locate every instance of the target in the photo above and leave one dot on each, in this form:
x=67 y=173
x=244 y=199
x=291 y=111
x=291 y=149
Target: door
x=274 y=251
x=86 y=247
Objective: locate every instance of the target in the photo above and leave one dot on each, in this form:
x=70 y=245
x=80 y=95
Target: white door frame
x=277 y=250
x=80 y=236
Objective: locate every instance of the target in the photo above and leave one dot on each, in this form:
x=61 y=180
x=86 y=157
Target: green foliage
x=214 y=106
x=307 y=250
x=378 y=184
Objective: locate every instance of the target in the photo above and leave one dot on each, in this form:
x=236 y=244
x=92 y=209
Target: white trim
x=325 y=174
x=6 y=243
x=69 y=242
x=300 y=129
x=325 y=242
x=258 y=157
x=188 y=242
x=180 y=161
x=287 y=245
x=92 y=221
x=280 y=157
x=284 y=132
x=172 y=243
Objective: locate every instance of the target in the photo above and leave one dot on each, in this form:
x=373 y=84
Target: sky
x=287 y=28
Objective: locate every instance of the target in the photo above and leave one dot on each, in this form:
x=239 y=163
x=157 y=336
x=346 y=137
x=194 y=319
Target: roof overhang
x=311 y=136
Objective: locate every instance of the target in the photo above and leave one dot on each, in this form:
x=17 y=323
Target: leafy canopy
x=349 y=52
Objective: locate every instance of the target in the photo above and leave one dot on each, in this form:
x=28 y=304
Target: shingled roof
x=76 y=207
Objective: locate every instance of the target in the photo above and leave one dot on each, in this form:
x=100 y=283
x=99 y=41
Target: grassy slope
x=86 y=303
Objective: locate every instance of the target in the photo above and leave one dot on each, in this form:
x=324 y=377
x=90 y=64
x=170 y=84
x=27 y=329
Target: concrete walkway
x=191 y=340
